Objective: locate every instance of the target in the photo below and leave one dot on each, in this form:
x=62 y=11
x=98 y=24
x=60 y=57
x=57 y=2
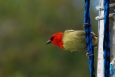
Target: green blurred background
x=26 y=25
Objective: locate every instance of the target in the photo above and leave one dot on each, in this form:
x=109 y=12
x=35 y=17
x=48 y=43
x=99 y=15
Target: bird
x=71 y=40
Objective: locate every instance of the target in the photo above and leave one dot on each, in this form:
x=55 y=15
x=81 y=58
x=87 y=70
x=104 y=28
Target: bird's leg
x=88 y=54
x=85 y=25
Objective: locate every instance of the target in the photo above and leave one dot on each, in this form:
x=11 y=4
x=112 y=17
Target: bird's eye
x=52 y=38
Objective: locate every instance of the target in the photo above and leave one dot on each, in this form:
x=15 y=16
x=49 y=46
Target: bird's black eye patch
x=52 y=38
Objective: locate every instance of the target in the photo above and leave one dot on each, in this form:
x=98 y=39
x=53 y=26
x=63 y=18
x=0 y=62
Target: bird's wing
x=69 y=31
x=76 y=31
x=74 y=40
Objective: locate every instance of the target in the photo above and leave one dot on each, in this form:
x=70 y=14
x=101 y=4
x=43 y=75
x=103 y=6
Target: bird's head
x=56 y=39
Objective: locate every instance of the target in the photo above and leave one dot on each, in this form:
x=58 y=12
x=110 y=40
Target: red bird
x=71 y=40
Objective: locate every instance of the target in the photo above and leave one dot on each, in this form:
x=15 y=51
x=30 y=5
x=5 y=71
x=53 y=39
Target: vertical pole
x=100 y=59
x=112 y=40
x=112 y=32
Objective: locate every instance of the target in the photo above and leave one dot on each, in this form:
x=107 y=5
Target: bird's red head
x=56 y=39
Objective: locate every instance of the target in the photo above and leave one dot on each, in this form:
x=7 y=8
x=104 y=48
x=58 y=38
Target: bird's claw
x=88 y=54
x=85 y=24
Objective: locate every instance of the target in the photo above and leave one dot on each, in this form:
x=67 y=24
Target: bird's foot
x=84 y=25
x=88 y=54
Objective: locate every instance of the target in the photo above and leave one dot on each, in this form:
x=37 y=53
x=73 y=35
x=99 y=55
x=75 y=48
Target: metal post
x=112 y=40
x=100 y=59
x=112 y=28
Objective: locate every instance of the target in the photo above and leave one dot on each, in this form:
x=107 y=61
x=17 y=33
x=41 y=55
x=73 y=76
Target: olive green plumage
x=74 y=40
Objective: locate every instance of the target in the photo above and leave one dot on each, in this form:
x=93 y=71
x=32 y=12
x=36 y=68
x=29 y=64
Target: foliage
x=25 y=26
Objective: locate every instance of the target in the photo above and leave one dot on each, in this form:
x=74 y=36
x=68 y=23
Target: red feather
x=57 y=39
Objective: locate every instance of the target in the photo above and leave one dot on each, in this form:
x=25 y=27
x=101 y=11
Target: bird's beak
x=48 y=42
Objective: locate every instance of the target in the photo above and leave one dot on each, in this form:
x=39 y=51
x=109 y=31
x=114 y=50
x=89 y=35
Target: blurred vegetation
x=25 y=26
